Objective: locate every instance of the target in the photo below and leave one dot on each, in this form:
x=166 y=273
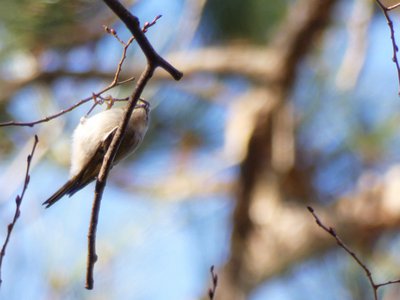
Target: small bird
x=91 y=140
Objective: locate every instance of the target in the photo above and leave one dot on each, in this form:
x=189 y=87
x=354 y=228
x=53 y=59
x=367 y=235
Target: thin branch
x=394 y=6
x=83 y=101
x=146 y=27
x=214 y=280
x=113 y=32
x=387 y=283
x=133 y=24
x=51 y=117
x=103 y=174
x=113 y=84
x=395 y=48
x=153 y=61
x=339 y=241
x=18 y=201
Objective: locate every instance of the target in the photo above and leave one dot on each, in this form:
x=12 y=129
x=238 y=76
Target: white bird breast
x=92 y=131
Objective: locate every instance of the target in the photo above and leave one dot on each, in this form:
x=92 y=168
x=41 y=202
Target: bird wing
x=87 y=174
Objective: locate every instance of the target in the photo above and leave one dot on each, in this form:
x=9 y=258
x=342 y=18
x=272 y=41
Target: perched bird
x=91 y=140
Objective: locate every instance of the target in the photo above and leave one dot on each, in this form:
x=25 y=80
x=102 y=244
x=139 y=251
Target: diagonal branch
x=103 y=175
x=153 y=61
x=340 y=242
x=64 y=111
x=395 y=48
x=133 y=24
x=331 y=231
x=18 y=202
x=115 y=82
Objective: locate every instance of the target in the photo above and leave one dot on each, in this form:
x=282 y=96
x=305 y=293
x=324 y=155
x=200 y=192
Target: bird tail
x=86 y=175
x=66 y=189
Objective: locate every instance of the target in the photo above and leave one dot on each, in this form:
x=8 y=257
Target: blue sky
x=154 y=249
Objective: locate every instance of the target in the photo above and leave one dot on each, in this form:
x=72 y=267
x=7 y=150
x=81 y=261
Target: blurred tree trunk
x=272 y=230
x=270 y=159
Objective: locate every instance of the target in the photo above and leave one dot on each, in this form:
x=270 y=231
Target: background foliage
x=328 y=120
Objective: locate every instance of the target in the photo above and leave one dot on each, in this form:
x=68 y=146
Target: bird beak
x=144 y=104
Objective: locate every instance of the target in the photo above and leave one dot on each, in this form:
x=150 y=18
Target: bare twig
x=213 y=288
x=94 y=97
x=133 y=24
x=147 y=25
x=113 y=32
x=83 y=101
x=395 y=48
x=153 y=61
x=109 y=100
x=339 y=241
x=18 y=201
x=103 y=174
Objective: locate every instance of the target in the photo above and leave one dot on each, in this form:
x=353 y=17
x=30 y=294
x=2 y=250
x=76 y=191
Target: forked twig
x=94 y=96
x=339 y=241
x=154 y=60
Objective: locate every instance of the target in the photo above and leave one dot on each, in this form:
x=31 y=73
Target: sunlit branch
x=393 y=6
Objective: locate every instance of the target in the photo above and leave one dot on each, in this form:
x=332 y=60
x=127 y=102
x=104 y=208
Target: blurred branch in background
x=260 y=182
x=354 y=57
x=189 y=23
x=242 y=127
x=95 y=96
x=253 y=62
x=282 y=236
